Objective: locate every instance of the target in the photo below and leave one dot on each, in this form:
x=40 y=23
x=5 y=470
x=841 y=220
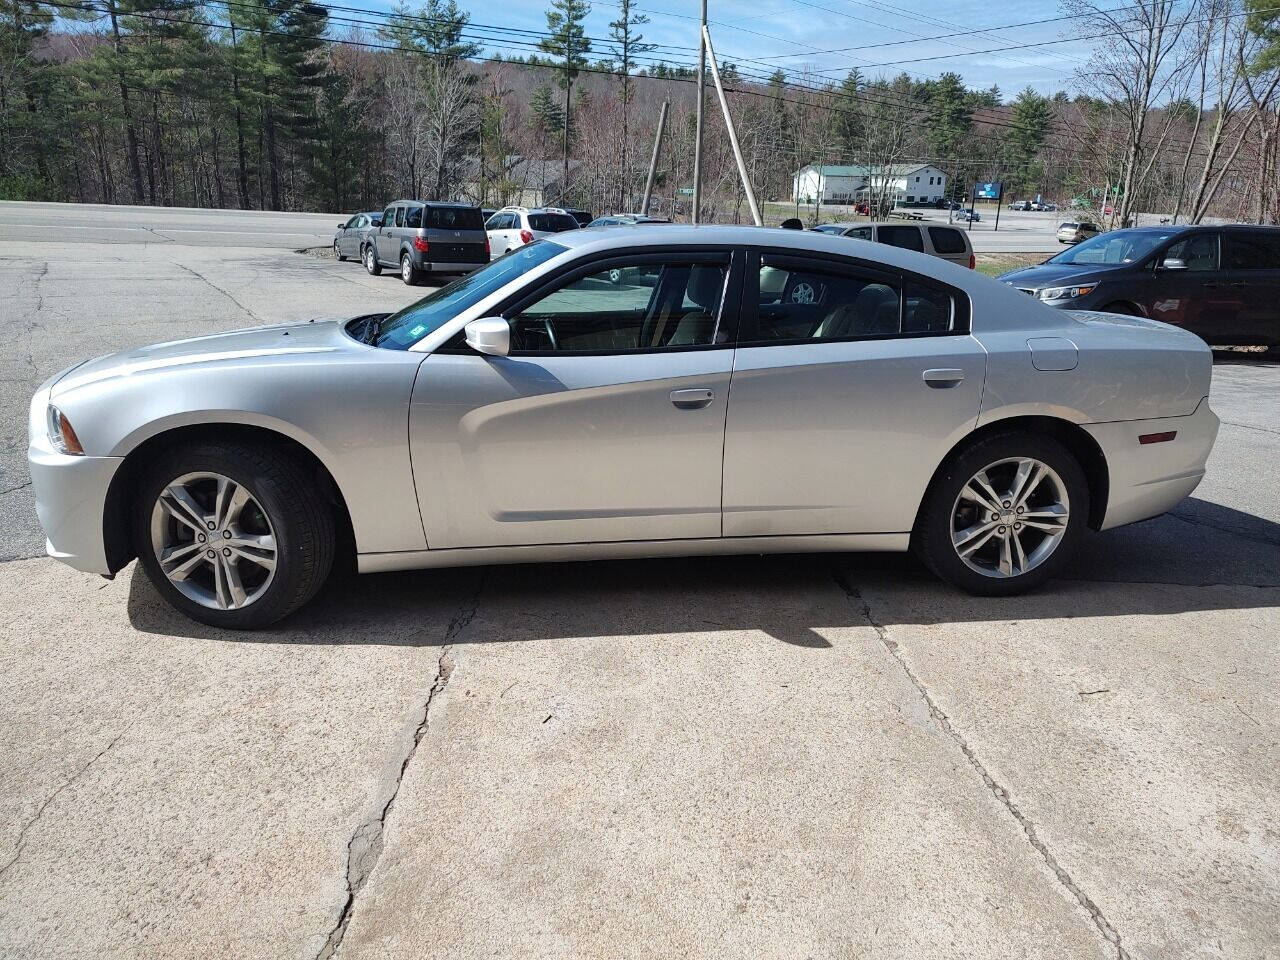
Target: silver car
x=948 y=243
x=536 y=410
x=349 y=239
x=424 y=238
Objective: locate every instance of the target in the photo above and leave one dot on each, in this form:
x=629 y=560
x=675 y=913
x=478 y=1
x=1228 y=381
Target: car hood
x=239 y=346
x=1056 y=274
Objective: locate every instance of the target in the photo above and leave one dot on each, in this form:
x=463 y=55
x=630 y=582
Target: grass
x=994 y=264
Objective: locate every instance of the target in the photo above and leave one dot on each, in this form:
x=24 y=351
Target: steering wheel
x=551 y=333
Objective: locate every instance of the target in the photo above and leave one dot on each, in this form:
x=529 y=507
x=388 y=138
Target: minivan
x=934 y=239
x=426 y=237
x=1220 y=282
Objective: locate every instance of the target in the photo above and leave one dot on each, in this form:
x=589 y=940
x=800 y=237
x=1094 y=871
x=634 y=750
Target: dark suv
x=421 y=237
x=1221 y=283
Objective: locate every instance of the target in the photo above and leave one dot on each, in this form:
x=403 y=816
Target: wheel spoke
x=988 y=501
x=1054 y=511
x=1020 y=555
x=231 y=573
x=1006 y=555
x=260 y=550
x=1030 y=474
x=1049 y=527
x=976 y=543
x=178 y=503
x=964 y=539
x=180 y=562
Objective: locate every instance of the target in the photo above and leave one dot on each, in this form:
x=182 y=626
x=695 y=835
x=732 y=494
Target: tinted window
x=859 y=233
x=552 y=222
x=809 y=304
x=946 y=240
x=1198 y=251
x=906 y=237
x=399 y=221
x=643 y=307
x=401 y=330
x=927 y=309
x=413 y=217
x=455 y=218
x=1253 y=251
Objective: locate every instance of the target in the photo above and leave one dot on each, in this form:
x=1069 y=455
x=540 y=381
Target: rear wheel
x=233 y=535
x=408 y=272
x=1003 y=516
x=371 y=261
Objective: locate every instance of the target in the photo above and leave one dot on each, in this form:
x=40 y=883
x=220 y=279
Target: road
x=745 y=757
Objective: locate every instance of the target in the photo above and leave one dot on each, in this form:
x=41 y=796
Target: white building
x=908 y=183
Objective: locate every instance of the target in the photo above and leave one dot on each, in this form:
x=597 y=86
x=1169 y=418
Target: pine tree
x=1032 y=117
x=567 y=42
x=546 y=116
x=628 y=44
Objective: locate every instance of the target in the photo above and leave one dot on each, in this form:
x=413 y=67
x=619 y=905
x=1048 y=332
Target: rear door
x=1253 y=259
x=849 y=386
x=950 y=244
x=604 y=423
x=906 y=237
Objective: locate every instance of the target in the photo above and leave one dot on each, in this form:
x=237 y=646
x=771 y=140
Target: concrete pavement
x=753 y=757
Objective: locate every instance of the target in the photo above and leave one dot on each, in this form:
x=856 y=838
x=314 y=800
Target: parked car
x=623 y=219
x=349 y=240
x=1076 y=231
x=945 y=204
x=513 y=227
x=1021 y=205
x=424 y=238
x=933 y=239
x=582 y=216
x=534 y=411
x=1044 y=207
x=968 y=216
x=1221 y=283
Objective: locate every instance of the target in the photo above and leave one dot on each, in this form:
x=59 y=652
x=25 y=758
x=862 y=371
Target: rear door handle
x=694 y=399
x=943 y=377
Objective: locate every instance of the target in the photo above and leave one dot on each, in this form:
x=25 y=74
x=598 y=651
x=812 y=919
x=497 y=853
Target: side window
x=1198 y=252
x=389 y=217
x=646 y=306
x=413 y=217
x=906 y=237
x=947 y=240
x=399 y=216
x=819 y=304
x=1253 y=251
x=859 y=233
x=927 y=309
x=353 y=222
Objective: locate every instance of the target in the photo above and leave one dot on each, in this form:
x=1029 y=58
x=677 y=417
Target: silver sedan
x=738 y=390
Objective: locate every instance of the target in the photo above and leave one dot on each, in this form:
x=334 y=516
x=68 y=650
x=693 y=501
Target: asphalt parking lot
x=748 y=757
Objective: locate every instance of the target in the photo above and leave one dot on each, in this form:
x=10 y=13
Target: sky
x=794 y=34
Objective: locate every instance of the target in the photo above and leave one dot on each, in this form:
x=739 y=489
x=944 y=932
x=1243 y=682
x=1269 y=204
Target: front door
x=1199 y=296
x=384 y=239
x=849 y=387
x=604 y=423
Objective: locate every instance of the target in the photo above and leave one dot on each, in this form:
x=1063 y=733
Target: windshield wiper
x=373 y=330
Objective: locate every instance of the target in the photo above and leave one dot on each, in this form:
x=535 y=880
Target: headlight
x=61 y=434
x=1066 y=293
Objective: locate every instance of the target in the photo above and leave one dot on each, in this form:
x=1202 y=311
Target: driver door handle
x=694 y=399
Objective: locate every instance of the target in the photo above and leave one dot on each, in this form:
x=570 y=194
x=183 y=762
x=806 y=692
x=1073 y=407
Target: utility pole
x=732 y=131
x=697 y=141
x=653 y=161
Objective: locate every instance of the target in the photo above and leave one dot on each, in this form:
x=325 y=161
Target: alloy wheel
x=1010 y=517
x=406 y=269
x=213 y=541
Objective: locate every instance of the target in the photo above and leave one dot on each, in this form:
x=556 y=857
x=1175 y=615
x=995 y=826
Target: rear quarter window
x=552 y=222
x=947 y=240
x=1253 y=251
x=413 y=216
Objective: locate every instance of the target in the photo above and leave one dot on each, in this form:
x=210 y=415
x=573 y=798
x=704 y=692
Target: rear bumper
x=70 y=495
x=1147 y=480
x=432 y=266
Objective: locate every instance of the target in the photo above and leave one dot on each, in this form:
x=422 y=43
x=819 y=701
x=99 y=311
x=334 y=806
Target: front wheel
x=337 y=252
x=233 y=535
x=1003 y=516
x=371 y=261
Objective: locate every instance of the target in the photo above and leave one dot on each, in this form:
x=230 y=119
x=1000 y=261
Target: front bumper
x=71 y=493
x=1147 y=480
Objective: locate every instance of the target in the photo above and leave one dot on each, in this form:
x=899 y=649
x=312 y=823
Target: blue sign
x=988 y=191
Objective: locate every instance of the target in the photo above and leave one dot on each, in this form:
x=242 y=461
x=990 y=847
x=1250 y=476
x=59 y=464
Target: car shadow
x=1146 y=569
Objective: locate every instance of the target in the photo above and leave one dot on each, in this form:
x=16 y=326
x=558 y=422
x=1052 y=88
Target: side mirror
x=342 y=226
x=1173 y=263
x=490 y=336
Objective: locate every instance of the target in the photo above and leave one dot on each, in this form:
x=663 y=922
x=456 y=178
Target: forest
x=297 y=105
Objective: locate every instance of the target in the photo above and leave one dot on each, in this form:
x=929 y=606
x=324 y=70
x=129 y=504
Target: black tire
x=370 y=257
x=302 y=523
x=337 y=252
x=931 y=540
x=1124 y=309
x=408 y=272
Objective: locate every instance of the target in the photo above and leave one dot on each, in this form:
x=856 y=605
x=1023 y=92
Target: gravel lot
x=754 y=757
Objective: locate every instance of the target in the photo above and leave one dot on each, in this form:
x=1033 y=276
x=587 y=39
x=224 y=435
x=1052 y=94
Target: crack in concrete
x=1221 y=529
x=229 y=296
x=1170 y=583
x=21 y=486
x=1100 y=921
x=1249 y=426
x=365 y=846
x=22 y=834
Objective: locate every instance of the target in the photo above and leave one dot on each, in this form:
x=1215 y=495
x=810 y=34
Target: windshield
x=1119 y=246
x=552 y=222
x=402 y=330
